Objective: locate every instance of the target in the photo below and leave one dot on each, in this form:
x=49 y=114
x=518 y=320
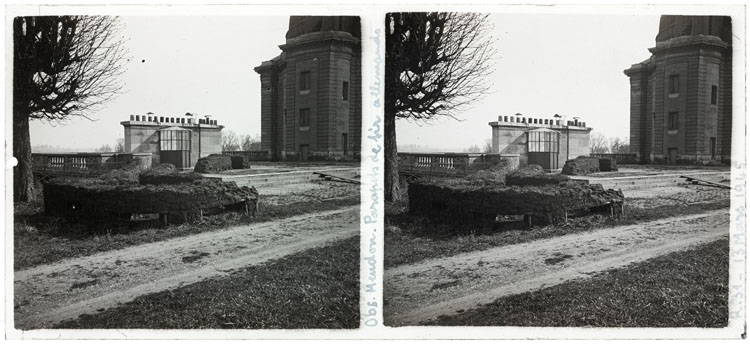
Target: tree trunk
x=392 y=190
x=23 y=177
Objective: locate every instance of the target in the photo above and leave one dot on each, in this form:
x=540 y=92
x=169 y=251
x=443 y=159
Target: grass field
x=317 y=288
x=682 y=289
x=410 y=239
x=40 y=239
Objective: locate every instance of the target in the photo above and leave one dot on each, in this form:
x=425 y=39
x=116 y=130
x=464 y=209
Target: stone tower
x=681 y=97
x=311 y=93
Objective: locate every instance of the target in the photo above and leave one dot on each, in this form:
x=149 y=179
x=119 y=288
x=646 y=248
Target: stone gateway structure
x=311 y=94
x=681 y=97
x=180 y=141
x=547 y=142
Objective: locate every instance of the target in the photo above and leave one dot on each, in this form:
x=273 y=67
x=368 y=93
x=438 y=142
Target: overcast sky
x=201 y=65
x=547 y=64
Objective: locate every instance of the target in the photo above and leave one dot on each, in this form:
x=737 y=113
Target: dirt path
x=425 y=290
x=47 y=294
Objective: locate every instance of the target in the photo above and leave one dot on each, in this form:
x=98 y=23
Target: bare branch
x=436 y=63
x=63 y=66
x=66 y=66
x=229 y=141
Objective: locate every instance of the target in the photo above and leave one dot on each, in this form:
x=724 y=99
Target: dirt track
x=445 y=286
x=47 y=294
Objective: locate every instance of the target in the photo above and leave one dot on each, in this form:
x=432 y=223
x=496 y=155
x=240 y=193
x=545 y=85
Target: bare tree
x=619 y=146
x=105 y=148
x=488 y=146
x=229 y=141
x=120 y=145
x=435 y=64
x=473 y=149
x=598 y=143
x=62 y=67
x=250 y=143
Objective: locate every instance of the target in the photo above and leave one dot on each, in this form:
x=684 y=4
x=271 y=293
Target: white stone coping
x=648 y=176
x=273 y=174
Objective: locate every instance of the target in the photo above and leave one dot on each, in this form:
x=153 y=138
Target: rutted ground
x=41 y=239
x=423 y=291
x=47 y=294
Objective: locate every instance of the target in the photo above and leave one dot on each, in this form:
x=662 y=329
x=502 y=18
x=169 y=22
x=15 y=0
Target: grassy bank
x=682 y=289
x=317 y=288
x=410 y=239
x=40 y=239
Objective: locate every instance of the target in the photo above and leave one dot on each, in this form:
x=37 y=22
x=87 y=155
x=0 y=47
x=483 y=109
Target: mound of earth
x=453 y=198
x=213 y=163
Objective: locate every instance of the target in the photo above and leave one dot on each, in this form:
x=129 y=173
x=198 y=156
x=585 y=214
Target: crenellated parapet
x=555 y=122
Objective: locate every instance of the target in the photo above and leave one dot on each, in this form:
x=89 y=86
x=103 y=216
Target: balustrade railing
x=259 y=155
x=621 y=158
x=80 y=163
x=451 y=163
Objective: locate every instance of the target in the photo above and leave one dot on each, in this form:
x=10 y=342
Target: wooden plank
x=340 y=179
x=689 y=179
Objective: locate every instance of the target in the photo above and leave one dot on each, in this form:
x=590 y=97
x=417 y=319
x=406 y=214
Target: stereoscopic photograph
x=568 y=170
x=527 y=166
x=185 y=172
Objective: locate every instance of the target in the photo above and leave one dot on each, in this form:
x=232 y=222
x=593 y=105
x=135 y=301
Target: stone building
x=547 y=142
x=176 y=140
x=311 y=93
x=681 y=97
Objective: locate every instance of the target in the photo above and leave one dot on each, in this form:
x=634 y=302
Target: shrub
x=129 y=176
x=607 y=165
x=167 y=174
x=531 y=170
x=213 y=163
x=240 y=162
x=581 y=166
x=496 y=174
x=164 y=168
x=487 y=176
x=534 y=175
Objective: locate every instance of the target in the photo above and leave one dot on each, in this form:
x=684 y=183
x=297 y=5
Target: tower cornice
x=320 y=38
x=687 y=42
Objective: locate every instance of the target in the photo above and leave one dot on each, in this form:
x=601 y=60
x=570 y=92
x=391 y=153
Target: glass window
x=673 y=120
x=714 y=94
x=304 y=117
x=163 y=140
x=174 y=140
x=345 y=91
x=674 y=83
x=543 y=141
x=304 y=81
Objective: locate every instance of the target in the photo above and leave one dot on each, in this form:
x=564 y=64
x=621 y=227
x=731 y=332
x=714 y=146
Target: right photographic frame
x=565 y=170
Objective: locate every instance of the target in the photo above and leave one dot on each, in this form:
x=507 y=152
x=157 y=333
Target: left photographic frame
x=209 y=180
